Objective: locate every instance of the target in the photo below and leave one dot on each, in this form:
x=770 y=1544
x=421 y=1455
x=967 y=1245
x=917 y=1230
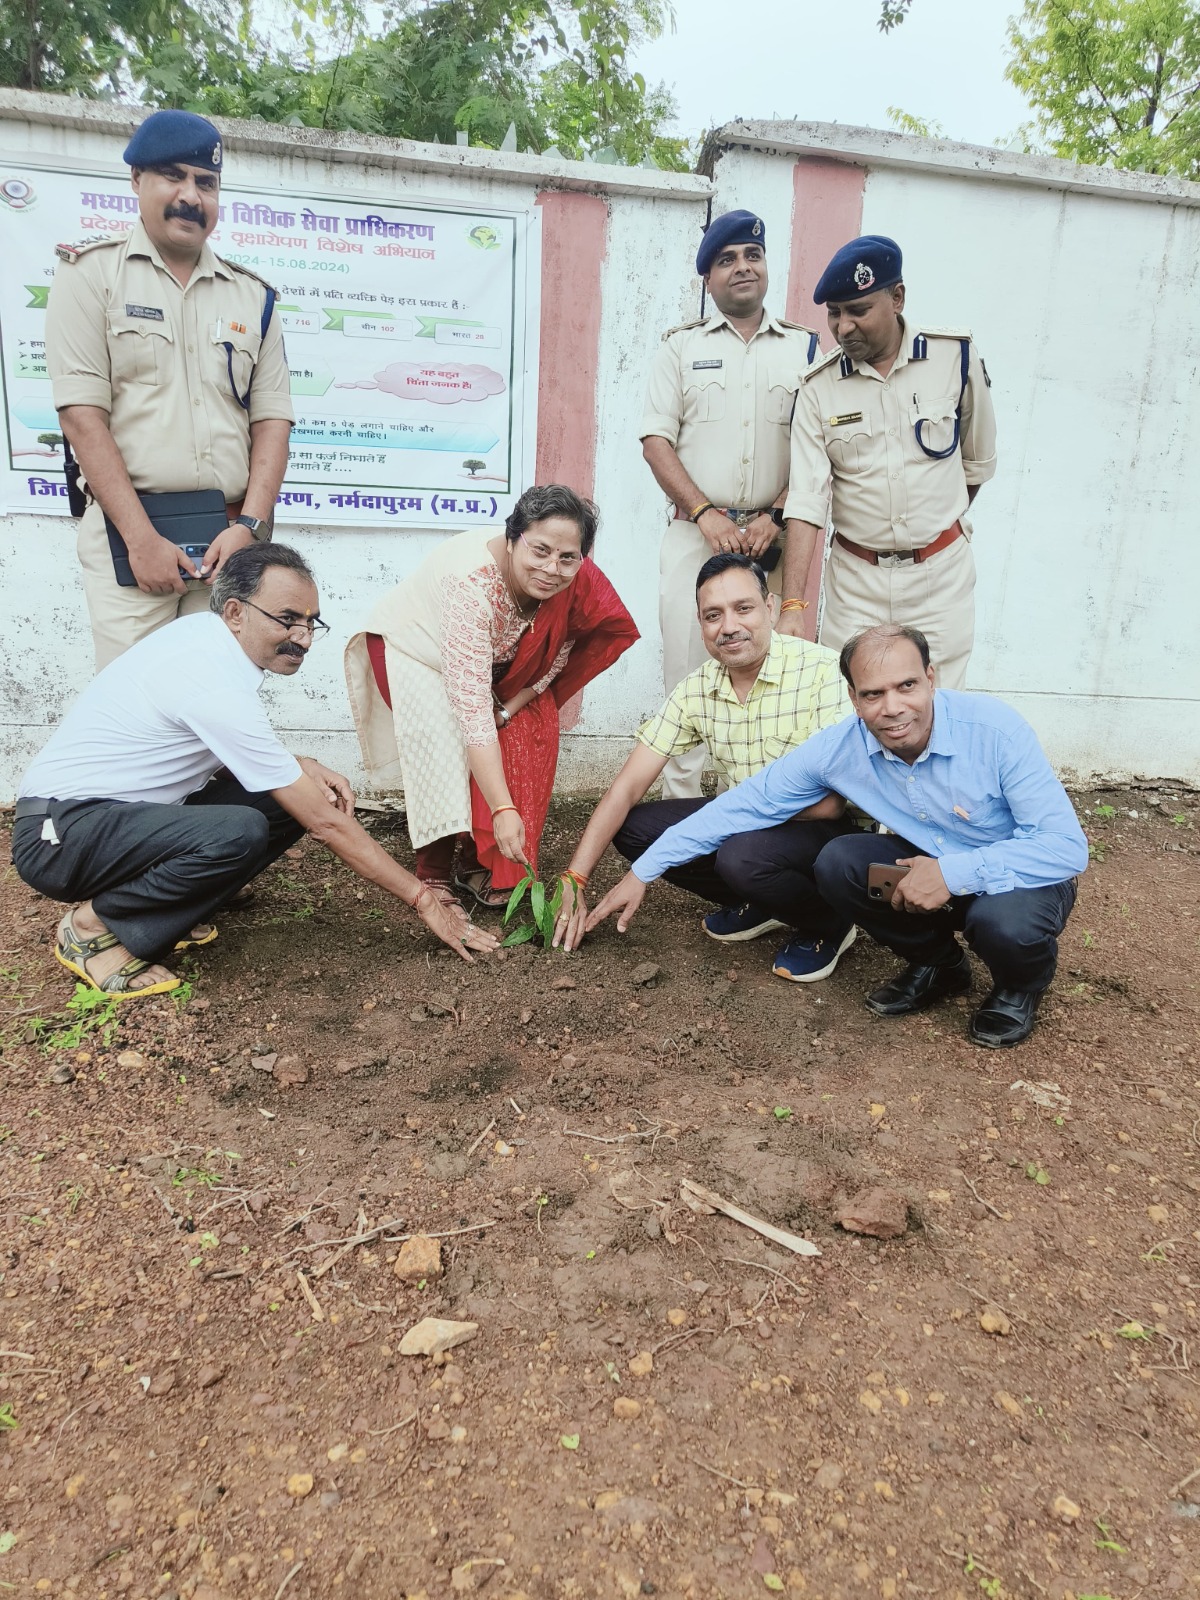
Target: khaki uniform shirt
x=725 y=405
x=122 y=335
x=854 y=440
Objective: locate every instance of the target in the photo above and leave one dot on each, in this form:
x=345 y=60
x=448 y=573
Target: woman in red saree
x=480 y=657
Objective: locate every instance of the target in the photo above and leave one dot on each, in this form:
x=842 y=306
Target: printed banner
x=411 y=335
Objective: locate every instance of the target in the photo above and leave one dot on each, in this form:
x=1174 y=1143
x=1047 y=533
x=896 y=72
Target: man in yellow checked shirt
x=760 y=694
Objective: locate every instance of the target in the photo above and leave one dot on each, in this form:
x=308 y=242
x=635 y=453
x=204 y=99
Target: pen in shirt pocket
x=959 y=812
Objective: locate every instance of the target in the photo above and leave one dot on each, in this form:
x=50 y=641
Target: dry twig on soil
x=987 y=1204
x=724 y=1476
x=314 y=1305
x=379 y=1433
x=480 y=1137
x=1183 y=1482
x=790 y=1241
x=288 y=1578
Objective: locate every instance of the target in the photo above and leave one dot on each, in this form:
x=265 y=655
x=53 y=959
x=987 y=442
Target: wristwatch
x=259 y=527
x=777 y=516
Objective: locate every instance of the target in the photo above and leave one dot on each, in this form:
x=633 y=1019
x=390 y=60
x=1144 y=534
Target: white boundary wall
x=1082 y=287
x=654 y=218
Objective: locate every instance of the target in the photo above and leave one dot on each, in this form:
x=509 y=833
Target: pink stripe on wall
x=827 y=202
x=574 y=243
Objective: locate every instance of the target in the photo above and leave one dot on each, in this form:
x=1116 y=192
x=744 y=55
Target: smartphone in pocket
x=882 y=878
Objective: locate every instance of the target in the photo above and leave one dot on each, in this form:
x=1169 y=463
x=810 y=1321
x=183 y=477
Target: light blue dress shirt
x=981 y=798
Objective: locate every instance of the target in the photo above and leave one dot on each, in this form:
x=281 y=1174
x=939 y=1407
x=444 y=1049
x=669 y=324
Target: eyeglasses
x=311 y=625
x=567 y=562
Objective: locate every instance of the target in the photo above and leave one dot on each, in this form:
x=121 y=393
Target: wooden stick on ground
x=479 y=1138
x=314 y=1305
x=789 y=1241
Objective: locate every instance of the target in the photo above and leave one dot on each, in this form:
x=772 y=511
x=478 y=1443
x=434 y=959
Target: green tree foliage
x=892 y=13
x=96 y=47
x=559 y=71
x=1113 y=82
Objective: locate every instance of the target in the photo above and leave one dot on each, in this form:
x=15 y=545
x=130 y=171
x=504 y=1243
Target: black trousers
x=771 y=867
x=1015 y=934
x=153 y=872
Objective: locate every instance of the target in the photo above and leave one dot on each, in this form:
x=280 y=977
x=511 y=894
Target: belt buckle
x=892 y=558
x=740 y=519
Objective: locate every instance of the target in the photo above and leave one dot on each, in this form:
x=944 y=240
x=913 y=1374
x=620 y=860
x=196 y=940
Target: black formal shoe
x=1005 y=1018
x=917 y=987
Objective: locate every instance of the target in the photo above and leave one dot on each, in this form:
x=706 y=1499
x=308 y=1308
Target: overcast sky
x=826 y=61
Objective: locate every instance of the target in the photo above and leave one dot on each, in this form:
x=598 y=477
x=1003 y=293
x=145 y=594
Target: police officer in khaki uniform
x=167 y=377
x=715 y=436
x=897 y=427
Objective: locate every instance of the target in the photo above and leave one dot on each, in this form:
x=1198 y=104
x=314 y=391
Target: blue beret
x=179 y=137
x=734 y=227
x=860 y=267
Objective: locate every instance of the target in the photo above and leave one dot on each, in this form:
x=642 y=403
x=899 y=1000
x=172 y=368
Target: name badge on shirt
x=147 y=313
x=706 y=366
x=846 y=416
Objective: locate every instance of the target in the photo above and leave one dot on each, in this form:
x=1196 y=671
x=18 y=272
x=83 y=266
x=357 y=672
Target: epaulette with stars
x=70 y=253
x=823 y=363
x=683 y=327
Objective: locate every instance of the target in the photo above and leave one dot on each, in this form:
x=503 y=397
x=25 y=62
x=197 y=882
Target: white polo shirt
x=161 y=719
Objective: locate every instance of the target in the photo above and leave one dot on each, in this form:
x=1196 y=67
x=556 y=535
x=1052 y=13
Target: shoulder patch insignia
x=794 y=327
x=944 y=333
x=236 y=266
x=823 y=363
x=683 y=327
x=71 y=253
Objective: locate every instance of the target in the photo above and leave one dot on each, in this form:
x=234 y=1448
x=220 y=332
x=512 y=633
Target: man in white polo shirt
x=164 y=789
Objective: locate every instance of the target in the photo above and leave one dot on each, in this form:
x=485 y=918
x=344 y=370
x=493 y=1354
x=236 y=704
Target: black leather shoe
x=917 y=987
x=1005 y=1018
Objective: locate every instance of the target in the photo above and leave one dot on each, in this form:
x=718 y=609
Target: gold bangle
x=794 y=605
x=499 y=809
x=705 y=505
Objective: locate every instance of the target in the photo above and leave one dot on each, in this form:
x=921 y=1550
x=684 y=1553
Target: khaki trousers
x=937 y=596
x=683 y=552
x=120 y=617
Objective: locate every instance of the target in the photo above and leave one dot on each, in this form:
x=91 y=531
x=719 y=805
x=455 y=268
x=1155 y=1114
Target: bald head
x=875 y=641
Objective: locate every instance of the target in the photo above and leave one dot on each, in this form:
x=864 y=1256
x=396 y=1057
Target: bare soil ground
x=201 y=1390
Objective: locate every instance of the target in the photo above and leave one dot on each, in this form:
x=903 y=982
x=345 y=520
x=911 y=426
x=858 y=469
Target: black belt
x=33 y=808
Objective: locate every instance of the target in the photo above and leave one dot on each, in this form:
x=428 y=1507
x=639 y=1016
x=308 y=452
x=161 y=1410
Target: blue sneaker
x=733 y=923
x=810 y=960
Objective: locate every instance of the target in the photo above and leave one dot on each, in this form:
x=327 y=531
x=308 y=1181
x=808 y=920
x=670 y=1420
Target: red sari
x=591 y=614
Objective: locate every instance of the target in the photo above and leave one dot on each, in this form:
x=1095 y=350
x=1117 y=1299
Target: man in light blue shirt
x=973 y=810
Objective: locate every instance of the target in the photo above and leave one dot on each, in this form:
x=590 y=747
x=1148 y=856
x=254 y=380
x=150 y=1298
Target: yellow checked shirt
x=854 y=440
x=122 y=335
x=724 y=405
x=798 y=692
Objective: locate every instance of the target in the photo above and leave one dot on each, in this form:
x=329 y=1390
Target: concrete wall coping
x=407 y=155
x=875 y=148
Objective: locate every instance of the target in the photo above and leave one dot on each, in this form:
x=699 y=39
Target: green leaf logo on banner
x=39 y=294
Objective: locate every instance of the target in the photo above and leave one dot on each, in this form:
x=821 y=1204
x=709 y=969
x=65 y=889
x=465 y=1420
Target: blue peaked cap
x=860 y=267
x=179 y=137
x=733 y=227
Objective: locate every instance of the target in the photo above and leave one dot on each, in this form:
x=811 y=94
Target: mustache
x=290 y=648
x=733 y=638
x=187 y=212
